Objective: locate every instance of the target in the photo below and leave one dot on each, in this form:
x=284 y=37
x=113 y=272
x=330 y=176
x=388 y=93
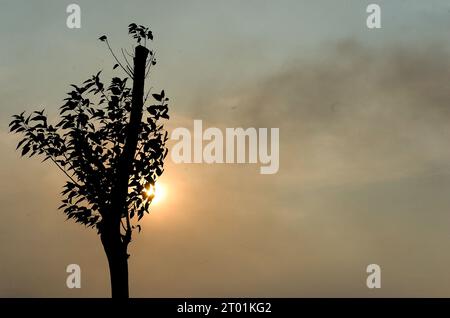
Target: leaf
x=132 y=26
x=39 y=117
x=88 y=140
x=25 y=150
x=157 y=97
x=115 y=90
x=20 y=143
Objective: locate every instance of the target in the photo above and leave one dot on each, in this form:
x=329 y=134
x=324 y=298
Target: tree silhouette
x=110 y=148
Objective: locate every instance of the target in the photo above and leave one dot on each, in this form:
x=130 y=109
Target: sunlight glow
x=156 y=192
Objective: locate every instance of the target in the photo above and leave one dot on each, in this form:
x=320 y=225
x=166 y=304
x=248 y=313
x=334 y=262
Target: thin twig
x=129 y=53
x=68 y=161
x=104 y=95
x=125 y=58
x=51 y=157
x=117 y=60
x=121 y=223
x=129 y=69
x=60 y=168
x=146 y=96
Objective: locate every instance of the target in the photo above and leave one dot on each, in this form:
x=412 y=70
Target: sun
x=156 y=192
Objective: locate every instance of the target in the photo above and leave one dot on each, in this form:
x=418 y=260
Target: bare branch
x=129 y=69
x=126 y=60
x=64 y=171
x=130 y=55
x=117 y=60
x=146 y=95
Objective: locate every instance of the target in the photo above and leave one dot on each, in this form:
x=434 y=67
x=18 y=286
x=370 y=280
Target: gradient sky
x=364 y=118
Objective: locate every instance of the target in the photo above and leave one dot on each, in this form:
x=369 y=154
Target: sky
x=364 y=169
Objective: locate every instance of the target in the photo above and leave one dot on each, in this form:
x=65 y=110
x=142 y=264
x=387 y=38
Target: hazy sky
x=364 y=118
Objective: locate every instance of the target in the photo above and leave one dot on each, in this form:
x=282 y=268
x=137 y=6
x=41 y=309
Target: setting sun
x=156 y=192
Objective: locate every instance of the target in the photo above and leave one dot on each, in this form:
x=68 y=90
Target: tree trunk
x=116 y=252
x=133 y=128
x=118 y=271
x=114 y=243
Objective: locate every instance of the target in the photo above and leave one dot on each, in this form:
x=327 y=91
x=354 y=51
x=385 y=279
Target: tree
x=110 y=147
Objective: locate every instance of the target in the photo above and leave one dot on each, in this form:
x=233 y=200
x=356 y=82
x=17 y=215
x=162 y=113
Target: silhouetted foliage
x=88 y=144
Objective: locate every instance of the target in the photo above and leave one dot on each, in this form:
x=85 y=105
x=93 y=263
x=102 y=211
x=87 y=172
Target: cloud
x=354 y=114
x=364 y=152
